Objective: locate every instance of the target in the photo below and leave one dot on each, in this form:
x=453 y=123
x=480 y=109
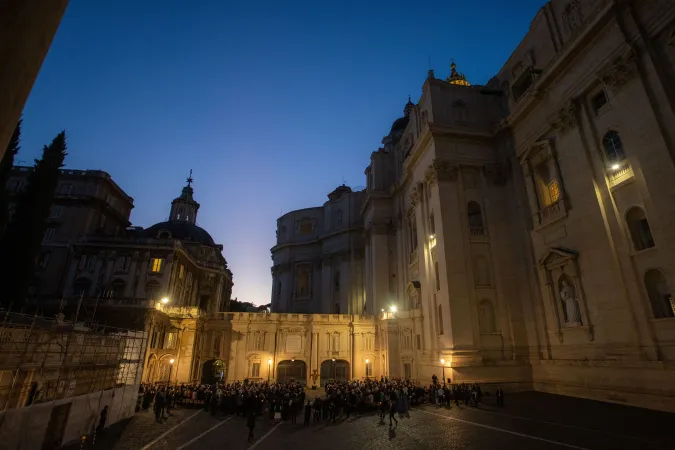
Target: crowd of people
x=285 y=401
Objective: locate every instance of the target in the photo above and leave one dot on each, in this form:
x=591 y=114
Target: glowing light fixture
x=392 y=308
x=615 y=167
x=269 y=361
x=442 y=361
x=171 y=361
x=367 y=361
x=165 y=300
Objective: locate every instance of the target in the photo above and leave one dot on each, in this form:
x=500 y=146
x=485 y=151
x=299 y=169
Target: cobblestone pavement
x=528 y=421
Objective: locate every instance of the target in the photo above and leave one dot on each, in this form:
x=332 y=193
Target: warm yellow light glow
x=165 y=300
x=333 y=359
x=171 y=361
x=392 y=308
x=156 y=265
x=432 y=236
x=293 y=359
x=615 y=167
x=382 y=309
x=442 y=361
x=269 y=361
x=367 y=361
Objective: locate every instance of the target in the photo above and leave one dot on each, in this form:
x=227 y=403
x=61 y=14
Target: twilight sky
x=272 y=104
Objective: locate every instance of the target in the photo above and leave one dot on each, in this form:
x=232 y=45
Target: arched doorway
x=213 y=371
x=334 y=369
x=292 y=370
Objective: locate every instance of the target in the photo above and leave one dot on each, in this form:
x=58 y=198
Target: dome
x=399 y=124
x=181 y=230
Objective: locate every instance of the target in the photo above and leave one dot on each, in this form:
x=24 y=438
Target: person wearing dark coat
x=308 y=412
x=250 y=423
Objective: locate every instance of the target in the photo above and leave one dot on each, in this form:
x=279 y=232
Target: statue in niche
x=570 y=303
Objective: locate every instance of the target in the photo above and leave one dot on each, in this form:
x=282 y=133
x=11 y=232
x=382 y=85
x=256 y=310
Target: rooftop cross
x=190 y=180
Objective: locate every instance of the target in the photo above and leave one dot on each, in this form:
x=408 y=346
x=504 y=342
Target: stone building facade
x=520 y=232
x=86 y=202
x=170 y=280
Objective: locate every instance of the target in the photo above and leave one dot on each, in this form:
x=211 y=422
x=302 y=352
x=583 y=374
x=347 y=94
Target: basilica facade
x=516 y=233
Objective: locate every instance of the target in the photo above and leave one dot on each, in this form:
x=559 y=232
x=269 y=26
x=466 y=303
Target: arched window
x=117 y=289
x=475 y=219
x=659 y=294
x=481 y=272
x=486 y=316
x=613 y=147
x=638 y=226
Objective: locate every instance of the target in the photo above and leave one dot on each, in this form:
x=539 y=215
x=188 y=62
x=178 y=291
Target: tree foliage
x=6 y=164
x=22 y=241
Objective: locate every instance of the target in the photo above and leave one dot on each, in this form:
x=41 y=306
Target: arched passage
x=294 y=370
x=334 y=370
x=213 y=371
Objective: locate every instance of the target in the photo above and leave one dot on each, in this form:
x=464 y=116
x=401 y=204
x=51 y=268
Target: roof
x=181 y=230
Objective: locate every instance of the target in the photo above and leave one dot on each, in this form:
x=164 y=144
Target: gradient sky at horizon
x=272 y=105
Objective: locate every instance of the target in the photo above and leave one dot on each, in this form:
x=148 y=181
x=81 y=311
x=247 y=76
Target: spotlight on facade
x=171 y=361
x=615 y=167
x=392 y=308
x=165 y=300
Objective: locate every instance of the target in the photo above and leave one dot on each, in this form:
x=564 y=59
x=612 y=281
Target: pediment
x=555 y=256
x=540 y=150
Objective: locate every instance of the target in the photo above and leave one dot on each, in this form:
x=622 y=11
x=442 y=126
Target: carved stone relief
x=565 y=119
x=622 y=70
x=440 y=171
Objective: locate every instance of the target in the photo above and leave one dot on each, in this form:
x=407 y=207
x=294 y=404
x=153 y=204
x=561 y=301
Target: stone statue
x=570 y=304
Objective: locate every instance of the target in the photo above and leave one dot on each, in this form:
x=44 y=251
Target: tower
x=185 y=207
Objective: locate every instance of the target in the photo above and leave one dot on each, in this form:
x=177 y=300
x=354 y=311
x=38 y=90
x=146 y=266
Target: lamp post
x=333 y=368
x=443 y=364
x=171 y=361
x=269 y=369
x=367 y=368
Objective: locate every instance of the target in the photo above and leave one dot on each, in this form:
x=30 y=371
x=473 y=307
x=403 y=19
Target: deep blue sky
x=272 y=104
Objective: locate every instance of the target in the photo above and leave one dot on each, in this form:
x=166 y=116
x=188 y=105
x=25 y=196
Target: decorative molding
x=496 y=174
x=620 y=71
x=414 y=196
x=565 y=120
x=440 y=171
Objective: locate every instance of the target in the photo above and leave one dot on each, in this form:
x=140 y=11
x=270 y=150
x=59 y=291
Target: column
x=380 y=271
x=325 y=302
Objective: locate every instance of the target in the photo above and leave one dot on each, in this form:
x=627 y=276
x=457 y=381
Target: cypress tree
x=6 y=165
x=21 y=243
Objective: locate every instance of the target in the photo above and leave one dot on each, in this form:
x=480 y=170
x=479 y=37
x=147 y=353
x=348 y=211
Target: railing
x=622 y=173
x=477 y=231
x=552 y=212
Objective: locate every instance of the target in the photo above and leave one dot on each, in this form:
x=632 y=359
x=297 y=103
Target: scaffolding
x=46 y=359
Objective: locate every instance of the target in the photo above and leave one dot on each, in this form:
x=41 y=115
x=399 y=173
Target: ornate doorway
x=334 y=370
x=292 y=370
x=213 y=371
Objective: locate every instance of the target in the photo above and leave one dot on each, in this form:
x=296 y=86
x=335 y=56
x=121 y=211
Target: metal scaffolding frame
x=44 y=359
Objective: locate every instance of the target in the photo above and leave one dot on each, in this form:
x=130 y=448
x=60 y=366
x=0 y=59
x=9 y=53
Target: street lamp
x=392 y=308
x=367 y=361
x=171 y=361
x=443 y=364
x=165 y=300
x=269 y=369
x=333 y=368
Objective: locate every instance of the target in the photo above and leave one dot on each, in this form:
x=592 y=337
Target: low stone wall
x=66 y=420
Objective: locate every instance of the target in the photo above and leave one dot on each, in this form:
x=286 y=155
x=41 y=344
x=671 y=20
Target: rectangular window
x=599 y=102
x=440 y=319
x=438 y=278
x=407 y=369
x=50 y=234
x=156 y=265
x=181 y=271
x=255 y=370
x=419 y=342
x=57 y=212
x=554 y=191
x=369 y=369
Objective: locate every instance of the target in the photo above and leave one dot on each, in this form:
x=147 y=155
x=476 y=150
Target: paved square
x=528 y=421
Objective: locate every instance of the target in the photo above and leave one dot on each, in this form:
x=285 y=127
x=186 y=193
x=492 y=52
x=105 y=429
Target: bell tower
x=185 y=207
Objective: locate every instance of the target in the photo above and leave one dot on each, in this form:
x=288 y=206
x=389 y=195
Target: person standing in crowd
x=159 y=406
x=102 y=420
x=250 y=423
x=500 y=396
x=308 y=412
